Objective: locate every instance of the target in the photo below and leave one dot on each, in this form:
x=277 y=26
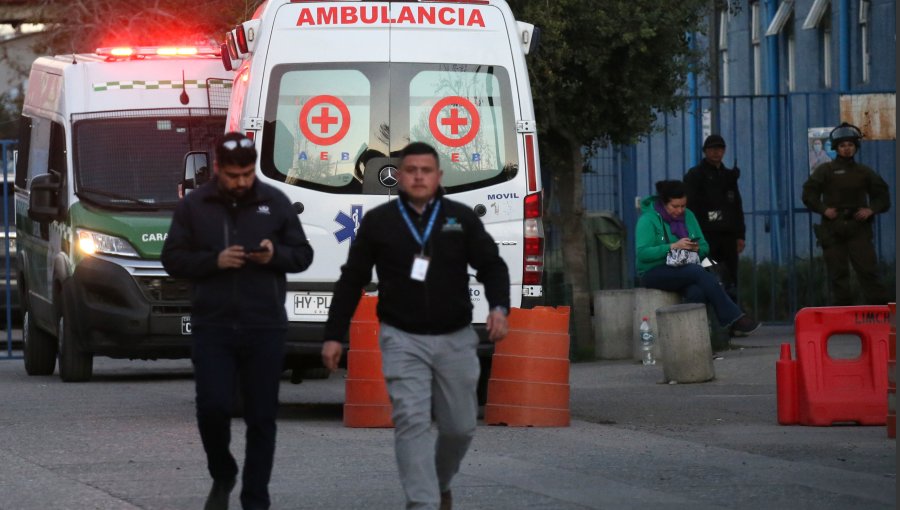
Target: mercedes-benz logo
x=388 y=176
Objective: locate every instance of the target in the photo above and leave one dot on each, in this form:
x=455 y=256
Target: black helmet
x=845 y=133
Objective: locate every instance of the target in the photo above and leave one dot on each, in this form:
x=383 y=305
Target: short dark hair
x=235 y=149
x=667 y=190
x=418 y=149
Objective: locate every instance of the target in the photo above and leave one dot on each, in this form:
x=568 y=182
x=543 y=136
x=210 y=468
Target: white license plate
x=301 y=304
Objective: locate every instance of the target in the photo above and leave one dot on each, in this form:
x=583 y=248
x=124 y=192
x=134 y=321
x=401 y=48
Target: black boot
x=446 y=501
x=218 y=494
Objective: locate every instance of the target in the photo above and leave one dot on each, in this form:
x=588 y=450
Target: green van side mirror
x=43 y=201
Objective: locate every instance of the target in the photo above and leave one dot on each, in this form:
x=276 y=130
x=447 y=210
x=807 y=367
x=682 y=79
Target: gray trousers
x=430 y=375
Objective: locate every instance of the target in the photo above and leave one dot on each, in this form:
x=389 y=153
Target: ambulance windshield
x=334 y=127
x=135 y=159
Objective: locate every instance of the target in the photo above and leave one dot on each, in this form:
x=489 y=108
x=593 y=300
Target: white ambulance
x=101 y=157
x=332 y=90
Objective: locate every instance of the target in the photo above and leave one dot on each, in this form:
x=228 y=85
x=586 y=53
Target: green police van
x=101 y=161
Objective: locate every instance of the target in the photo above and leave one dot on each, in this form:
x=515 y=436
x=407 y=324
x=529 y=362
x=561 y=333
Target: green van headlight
x=90 y=242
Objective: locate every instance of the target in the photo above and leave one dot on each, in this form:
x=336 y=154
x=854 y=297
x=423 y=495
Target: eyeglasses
x=231 y=145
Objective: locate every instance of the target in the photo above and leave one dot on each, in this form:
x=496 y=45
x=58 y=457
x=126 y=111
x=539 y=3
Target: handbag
x=678 y=257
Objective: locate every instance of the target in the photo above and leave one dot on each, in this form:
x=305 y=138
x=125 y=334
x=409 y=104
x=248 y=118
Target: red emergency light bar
x=138 y=52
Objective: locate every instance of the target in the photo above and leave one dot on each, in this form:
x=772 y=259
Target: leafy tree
x=605 y=69
x=80 y=26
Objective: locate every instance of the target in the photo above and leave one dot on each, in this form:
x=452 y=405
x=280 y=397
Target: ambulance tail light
x=227 y=63
x=533 y=254
x=240 y=39
x=530 y=37
x=246 y=35
x=231 y=45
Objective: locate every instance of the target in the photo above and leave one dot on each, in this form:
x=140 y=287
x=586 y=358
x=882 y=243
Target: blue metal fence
x=781 y=269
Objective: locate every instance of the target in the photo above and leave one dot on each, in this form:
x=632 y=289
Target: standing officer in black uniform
x=848 y=195
x=714 y=198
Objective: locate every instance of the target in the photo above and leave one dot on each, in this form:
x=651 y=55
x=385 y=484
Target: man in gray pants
x=421 y=245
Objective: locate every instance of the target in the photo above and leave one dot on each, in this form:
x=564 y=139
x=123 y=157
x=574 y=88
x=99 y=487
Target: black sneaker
x=218 y=495
x=446 y=501
x=735 y=334
x=745 y=325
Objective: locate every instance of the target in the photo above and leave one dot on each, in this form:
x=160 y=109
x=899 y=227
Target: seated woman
x=665 y=224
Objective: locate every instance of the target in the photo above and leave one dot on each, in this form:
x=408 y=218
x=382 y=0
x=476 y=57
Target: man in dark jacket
x=714 y=198
x=848 y=195
x=235 y=238
x=421 y=245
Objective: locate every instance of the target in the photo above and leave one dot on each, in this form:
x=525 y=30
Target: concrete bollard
x=684 y=338
x=613 y=331
x=646 y=302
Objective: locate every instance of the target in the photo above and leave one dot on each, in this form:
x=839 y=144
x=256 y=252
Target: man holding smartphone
x=235 y=238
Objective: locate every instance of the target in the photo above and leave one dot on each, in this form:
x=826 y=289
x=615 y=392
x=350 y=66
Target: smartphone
x=255 y=249
x=695 y=239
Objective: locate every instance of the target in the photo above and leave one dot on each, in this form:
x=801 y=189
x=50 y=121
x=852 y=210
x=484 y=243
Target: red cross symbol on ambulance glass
x=316 y=120
x=454 y=121
x=324 y=120
x=457 y=137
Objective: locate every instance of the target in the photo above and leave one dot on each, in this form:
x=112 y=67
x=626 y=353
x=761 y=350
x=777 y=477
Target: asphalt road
x=127 y=440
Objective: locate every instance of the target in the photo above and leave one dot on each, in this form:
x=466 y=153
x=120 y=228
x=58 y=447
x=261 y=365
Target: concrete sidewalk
x=736 y=413
x=127 y=440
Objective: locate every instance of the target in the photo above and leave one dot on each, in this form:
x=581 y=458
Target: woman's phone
x=695 y=239
x=255 y=249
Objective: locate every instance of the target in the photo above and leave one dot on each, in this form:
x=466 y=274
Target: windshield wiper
x=117 y=196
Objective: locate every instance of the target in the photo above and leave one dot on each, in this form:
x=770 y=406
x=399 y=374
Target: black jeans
x=223 y=356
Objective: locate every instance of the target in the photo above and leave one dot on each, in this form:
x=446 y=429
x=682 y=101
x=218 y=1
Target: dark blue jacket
x=206 y=222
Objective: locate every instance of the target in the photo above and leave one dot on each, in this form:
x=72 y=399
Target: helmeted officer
x=848 y=195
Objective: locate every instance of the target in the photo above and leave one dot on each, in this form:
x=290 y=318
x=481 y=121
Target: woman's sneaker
x=745 y=325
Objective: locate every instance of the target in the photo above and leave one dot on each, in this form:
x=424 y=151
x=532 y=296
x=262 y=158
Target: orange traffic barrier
x=841 y=390
x=366 y=403
x=529 y=383
x=786 y=387
x=892 y=374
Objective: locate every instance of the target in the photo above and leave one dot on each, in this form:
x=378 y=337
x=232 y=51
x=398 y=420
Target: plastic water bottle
x=647 y=343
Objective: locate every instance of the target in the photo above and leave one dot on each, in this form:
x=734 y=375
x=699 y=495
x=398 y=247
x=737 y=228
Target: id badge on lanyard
x=419 y=269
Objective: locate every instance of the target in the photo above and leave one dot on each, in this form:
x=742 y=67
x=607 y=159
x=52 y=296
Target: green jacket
x=652 y=236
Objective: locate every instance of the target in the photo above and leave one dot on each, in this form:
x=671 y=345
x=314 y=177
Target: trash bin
x=605 y=243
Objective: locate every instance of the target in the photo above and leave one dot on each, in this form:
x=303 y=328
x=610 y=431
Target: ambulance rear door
x=326 y=134
x=453 y=85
